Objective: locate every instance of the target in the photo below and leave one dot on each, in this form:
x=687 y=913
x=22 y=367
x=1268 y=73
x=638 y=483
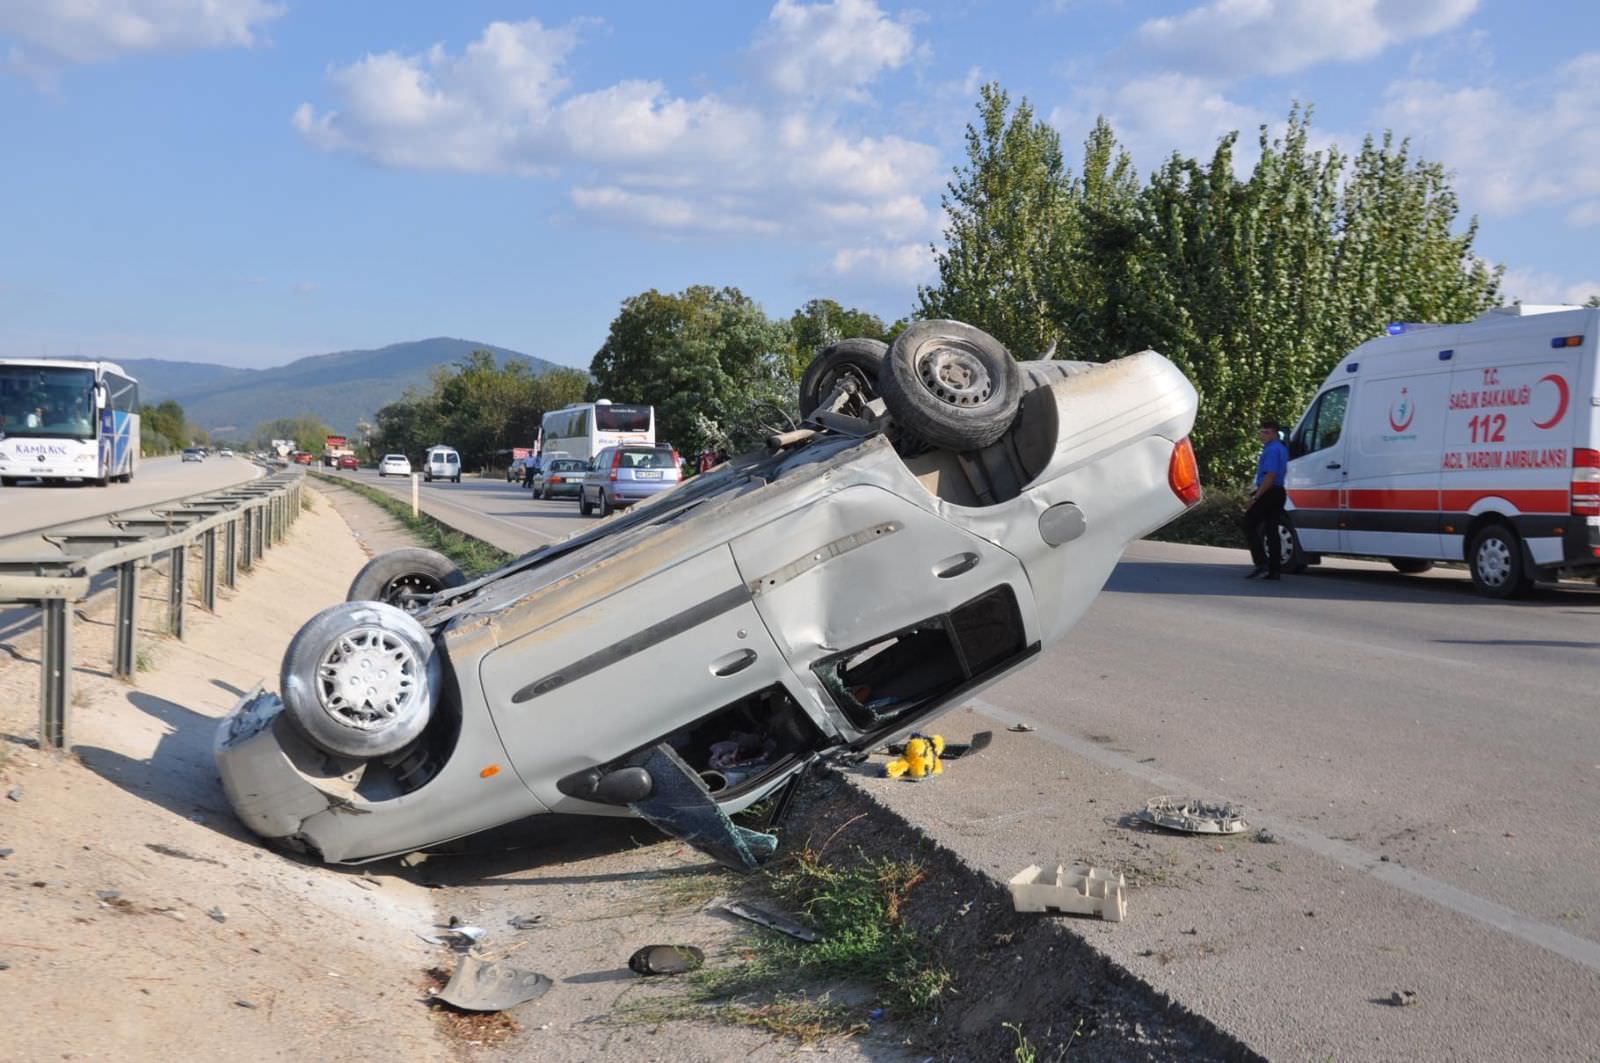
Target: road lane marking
x=1524 y=927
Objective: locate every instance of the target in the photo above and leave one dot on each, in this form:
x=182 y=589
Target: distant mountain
x=342 y=388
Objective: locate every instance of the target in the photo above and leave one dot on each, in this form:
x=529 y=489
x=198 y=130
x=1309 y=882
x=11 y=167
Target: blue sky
x=250 y=181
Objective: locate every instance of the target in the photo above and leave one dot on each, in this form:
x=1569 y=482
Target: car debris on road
x=1194 y=817
x=1080 y=890
x=481 y=985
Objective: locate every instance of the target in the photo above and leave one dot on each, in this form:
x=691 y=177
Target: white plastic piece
x=1193 y=816
x=1080 y=890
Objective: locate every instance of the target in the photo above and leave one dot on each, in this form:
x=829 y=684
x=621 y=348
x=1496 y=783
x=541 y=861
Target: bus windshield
x=47 y=401
x=613 y=418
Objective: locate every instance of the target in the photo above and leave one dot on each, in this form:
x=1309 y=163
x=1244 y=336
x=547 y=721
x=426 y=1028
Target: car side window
x=884 y=680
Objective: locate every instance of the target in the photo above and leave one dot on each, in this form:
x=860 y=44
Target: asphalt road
x=497 y=512
x=1433 y=756
x=37 y=505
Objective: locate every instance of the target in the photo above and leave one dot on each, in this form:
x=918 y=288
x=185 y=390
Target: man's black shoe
x=1253 y=573
x=1273 y=575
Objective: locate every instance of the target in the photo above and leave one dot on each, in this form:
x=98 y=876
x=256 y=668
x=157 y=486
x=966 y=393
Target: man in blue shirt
x=1265 y=515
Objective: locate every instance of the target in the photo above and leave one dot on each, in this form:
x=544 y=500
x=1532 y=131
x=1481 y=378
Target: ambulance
x=1477 y=442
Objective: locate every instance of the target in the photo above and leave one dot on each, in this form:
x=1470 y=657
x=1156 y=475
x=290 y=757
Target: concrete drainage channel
x=55 y=567
x=1021 y=984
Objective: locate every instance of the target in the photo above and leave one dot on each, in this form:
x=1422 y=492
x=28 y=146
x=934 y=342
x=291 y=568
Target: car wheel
x=538 y=493
x=583 y=503
x=951 y=385
x=359 y=679
x=8 y=481
x=1411 y=566
x=1495 y=558
x=404 y=578
x=605 y=503
x=857 y=359
x=456 y=480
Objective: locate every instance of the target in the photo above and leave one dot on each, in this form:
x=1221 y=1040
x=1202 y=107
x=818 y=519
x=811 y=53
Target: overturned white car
x=942 y=513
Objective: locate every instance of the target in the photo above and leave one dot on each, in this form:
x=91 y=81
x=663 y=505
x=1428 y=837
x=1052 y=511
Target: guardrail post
x=208 y=578
x=230 y=554
x=175 y=588
x=249 y=538
x=55 y=673
x=123 y=658
x=261 y=532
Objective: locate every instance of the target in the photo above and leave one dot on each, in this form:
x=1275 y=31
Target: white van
x=442 y=463
x=1477 y=442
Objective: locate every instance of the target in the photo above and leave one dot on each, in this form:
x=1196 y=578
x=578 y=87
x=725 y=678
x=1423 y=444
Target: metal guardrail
x=53 y=567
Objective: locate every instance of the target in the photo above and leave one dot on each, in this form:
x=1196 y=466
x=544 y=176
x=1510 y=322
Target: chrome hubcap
x=1494 y=562
x=955 y=376
x=368 y=677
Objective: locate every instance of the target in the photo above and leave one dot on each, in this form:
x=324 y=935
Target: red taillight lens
x=616 y=463
x=1183 y=473
x=556 y=480
x=1585 y=482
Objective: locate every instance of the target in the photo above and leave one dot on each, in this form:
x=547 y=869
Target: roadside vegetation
x=473 y=556
x=874 y=964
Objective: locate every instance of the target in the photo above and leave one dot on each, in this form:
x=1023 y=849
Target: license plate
x=647 y=474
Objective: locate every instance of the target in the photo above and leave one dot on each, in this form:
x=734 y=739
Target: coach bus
x=586 y=428
x=67 y=420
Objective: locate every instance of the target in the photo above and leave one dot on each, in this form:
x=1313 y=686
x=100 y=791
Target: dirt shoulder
x=138 y=914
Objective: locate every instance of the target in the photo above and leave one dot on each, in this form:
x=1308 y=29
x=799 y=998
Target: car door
x=1317 y=475
x=629 y=670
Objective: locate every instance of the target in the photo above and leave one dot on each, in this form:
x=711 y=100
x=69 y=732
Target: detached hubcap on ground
x=368 y=678
x=956 y=376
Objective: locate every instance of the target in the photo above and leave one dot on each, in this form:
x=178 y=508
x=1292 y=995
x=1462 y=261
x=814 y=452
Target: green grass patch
x=866 y=950
x=1216 y=521
x=473 y=556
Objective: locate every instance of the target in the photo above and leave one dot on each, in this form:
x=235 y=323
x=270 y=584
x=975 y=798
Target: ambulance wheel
x=1410 y=566
x=1294 y=559
x=1495 y=558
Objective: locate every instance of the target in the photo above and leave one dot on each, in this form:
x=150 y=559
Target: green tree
x=702 y=357
x=821 y=322
x=1009 y=211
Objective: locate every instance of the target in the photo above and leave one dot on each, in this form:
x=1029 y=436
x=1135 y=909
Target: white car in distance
x=394 y=465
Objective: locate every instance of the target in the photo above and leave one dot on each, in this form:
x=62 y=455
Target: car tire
x=8 y=481
x=605 y=504
x=583 y=503
x=456 y=480
x=858 y=358
x=359 y=679
x=538 y=493
x=1410 y=566
x=400 y=577
x=1495 y=559
x=951 y=385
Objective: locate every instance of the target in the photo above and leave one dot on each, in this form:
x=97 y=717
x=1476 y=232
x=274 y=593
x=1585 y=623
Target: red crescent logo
x=1409 y=409
x=1561 y=407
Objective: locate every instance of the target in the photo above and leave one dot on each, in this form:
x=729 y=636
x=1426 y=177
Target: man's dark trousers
x=1266 y=515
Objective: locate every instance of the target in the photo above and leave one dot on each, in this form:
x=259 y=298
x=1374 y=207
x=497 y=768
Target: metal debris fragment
x=782 y=924
x=1404 y=998
x=1194 y=817
x=525 y=922
x=666 y=959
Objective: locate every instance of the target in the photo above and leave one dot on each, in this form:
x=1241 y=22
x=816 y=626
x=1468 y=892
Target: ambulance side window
x=1324 y=425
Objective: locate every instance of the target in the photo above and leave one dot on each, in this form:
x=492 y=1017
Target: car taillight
x=616 y=463
x=556 y=480
x=1183 y=473
x=1585 y=482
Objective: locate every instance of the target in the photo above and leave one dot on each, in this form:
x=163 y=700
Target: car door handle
x=733 y=663
x=1334 y=465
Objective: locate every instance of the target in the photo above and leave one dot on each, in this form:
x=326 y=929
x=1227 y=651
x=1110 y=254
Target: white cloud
x=637 y=154
x=1156 y=116
x=1538 y=287
x=1239 y=38
x=903 y=266
x=1511 y=151
x=833 y=49
x=86 y=31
